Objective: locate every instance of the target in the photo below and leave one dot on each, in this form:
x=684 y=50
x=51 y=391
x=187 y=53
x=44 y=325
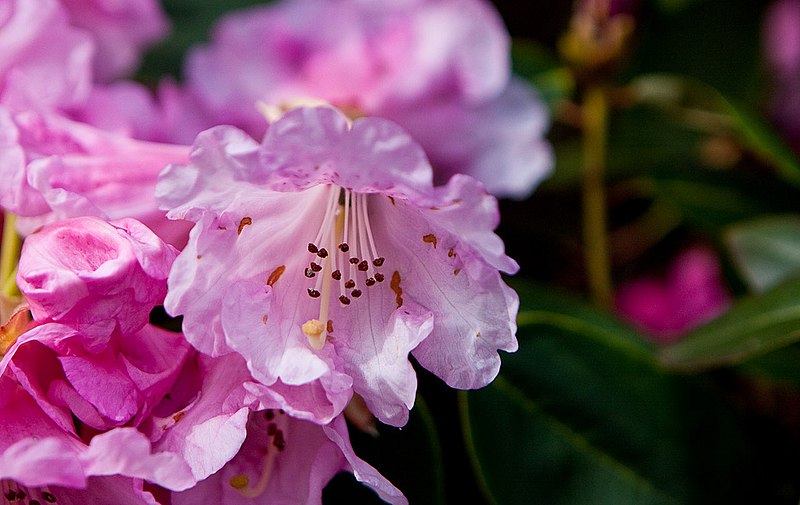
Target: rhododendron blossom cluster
x=315 y=201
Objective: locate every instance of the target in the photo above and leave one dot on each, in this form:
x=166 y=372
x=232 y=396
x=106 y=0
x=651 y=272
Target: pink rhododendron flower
x=45 y=62
x=204 y=419
x=122 y=29
x=782 y=51
x=325 y=250
x=691 y=294
x=52 y=168
x=420 y=63
x=284 y=460
x=95 y=276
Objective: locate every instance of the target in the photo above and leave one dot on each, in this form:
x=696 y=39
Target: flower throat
x=343 y=251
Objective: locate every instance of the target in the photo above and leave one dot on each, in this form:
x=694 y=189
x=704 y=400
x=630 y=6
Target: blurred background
x=660 y=297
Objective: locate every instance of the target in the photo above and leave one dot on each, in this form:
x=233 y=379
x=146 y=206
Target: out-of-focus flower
x=46 y=62
x=326 y=250
x=284 y=460
x=97 y=277
x=441 y=69
x=122 y=29
x=53 y=168
x=782 y=51
x=691 y=293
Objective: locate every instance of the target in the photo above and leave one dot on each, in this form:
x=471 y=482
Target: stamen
x=356 y=293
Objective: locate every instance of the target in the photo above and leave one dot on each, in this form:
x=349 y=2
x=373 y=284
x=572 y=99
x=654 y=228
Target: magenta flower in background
x=325 y=251
x=440 y=69
x=782 y=51
x=691 y=293
x=285 y=460
x=122 y=30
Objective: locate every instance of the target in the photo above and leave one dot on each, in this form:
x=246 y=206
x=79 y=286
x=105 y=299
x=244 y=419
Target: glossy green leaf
x=583 y=414
x=752 y=327
x=766 y=250
x=411 y=457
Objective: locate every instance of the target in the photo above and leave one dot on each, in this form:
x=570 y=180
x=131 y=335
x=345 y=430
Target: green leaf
x=766 y=250
x=540 y=67
x=582 y=414
x=396 y=451
x=752 y=327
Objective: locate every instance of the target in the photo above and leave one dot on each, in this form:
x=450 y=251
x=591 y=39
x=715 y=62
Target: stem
x=9 y=256
x=598 y=264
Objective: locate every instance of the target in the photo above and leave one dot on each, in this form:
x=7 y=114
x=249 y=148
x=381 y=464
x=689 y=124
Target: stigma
x=344 y=260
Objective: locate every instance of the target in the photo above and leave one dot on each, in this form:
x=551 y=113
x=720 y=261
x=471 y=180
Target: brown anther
x=344 y=247
x=275 y=275
x=363 y=266
x=379 y=277
x=312 y=248
x=313 y=293
x=344 y=300
x=350 y=284
x=378 y=261
x=309 y=273
x=355 y=293
x=370 y=281
x=337 y=275
x=354 y=261
x=315 y=267
x=322 y=253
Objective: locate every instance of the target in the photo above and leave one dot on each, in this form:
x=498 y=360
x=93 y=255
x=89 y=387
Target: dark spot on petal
x=265 y=319
x=244 y=222
x=392 y=200
x=221 y=228
x=275 y=275
x=478 y=335
x=199 y=256
x=430 y=238
x=329 y=326
x=398 y=291
x=269 y=414
x=272 y=429
x=451 y=253
x=279 y=441
x=456 y=271
x=177 y=417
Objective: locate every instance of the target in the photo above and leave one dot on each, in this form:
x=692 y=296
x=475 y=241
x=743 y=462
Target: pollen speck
x=451 y=253
x=265 y=319
x=456 y=271
x=398 y=291
x=391 y=199
x=430 y=238
x=244 y=222
x=275 y=275
x=239 y=481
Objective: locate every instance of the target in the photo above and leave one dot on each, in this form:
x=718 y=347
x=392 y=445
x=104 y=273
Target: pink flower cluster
x=340 y=223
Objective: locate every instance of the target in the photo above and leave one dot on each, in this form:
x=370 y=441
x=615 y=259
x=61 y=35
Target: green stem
x=595 y=238
x=9 y=256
